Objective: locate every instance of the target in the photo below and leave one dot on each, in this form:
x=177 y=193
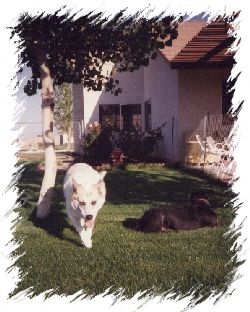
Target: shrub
x=136 y=145
x=99 y=142
x=96 y=143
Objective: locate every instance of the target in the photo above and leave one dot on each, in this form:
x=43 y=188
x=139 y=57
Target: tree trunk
x=46 y=192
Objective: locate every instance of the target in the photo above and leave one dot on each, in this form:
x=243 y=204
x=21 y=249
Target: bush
x=99 y=142
x=96 y=143
x=136 y=145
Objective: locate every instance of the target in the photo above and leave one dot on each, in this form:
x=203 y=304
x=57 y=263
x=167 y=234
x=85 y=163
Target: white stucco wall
x=132 y=93
x=161 y=87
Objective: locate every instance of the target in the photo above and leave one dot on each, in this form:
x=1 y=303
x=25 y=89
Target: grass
x=53 y=257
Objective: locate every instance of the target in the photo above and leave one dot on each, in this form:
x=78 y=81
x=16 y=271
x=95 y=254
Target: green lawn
x=121 y=257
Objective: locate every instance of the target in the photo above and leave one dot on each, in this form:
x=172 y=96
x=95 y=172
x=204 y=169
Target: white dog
x=85 y=192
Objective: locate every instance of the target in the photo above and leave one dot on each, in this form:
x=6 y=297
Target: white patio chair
x=216 y=148
x=220 y=152
x=204 y=148
x=230 y=145
x=230 y=168
x=202 y=145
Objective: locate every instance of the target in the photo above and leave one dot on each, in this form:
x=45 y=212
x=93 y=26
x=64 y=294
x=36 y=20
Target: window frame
x=116 y=114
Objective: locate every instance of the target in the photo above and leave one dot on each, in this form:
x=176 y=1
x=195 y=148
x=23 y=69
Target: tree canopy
x=63 y=108
x=76 y=48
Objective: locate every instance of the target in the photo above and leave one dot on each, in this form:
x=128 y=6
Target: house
x=183 y=87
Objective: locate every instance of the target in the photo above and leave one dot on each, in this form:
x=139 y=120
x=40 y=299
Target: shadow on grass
x=137 y=187
x=204 y=175
x=57 y=220
x=54 y=225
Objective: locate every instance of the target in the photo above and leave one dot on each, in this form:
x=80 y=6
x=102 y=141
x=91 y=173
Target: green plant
x=96 y=143
x=63 y=110
x=94 y=129
x=137 y=145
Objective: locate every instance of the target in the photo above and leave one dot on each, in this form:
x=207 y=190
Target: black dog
x=196 y=214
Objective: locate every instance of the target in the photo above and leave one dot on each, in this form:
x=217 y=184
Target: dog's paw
x=87 y=243
x=86 y=239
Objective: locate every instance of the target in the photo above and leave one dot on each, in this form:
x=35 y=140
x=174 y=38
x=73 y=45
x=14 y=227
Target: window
x=110 y=115
x=124 y=117
x=148 y=116
x=131 y=117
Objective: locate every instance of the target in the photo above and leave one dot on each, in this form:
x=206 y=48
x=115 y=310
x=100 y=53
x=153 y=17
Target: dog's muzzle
x=89 y=221
x=88 y=217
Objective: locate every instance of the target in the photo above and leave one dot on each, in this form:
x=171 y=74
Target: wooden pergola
x=209 y=48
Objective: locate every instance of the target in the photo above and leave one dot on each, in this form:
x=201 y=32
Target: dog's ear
x=100 y=184
x=75 y=185
x=102 y=174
